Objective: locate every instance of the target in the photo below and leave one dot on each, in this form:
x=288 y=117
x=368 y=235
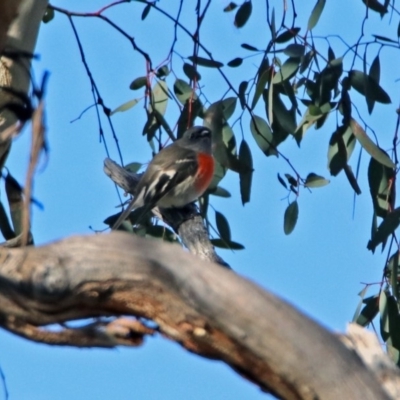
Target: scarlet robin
x=178 y=175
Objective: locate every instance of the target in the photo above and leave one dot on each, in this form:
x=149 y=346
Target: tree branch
x=207 y=309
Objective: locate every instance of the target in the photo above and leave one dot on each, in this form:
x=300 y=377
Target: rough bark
x=23 y=20
x=8 y=12
x=207 y=309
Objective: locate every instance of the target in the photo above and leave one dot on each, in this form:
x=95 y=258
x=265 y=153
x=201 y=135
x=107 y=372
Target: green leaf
x=287 y=35
x=162 y=71
x=235 y=62
x=341 y=146
x=394 y=321
x=358 y=309
x=292 y=180
x=223 y=226
x=290 y=217
x=156 y=110
x=5 y=227
x=159 y=97
x=161 y=232
x=243 y=14
x=224 y=245
x=295 y=50
x=375 y=69
x=374 y=73
x=220 y=192
x=242 y=92
x=15 y=202
x=282 y=182
x=262 y=134
x=228 y=106
x=369 y=312
x=191 y=72
x=393 y=268
x=331 y=54
x=249 y=47
x=205 y=62
x=146 y=11
x=306 y=60
x=381 y=184
x=376 y=6
x=272 y=25
x=125 y=106
x=369 y=146
x=192 y=108
x=352 y=179
x=385 y=229
x=264 y=74
x=286 y=118
x=246 y=173
x=183 y=91
x=383 y=314
x=48 y=15
x=287 y=70
x=359 y=81
x=315 y=14
x=138 y=83
x=314 y=181
x=230 y=7
x=133 y=167
x=310 y=117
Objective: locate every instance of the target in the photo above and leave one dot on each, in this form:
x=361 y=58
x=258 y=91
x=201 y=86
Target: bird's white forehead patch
x=184 y=160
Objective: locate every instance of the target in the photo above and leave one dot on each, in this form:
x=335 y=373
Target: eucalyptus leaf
x=381 y=184
x=236 y=62
x=191 y=72
x=224 y=245
x=243 y=14
x=206 y=62
x=359 y=81
x=385 y=229
x=369 y=146
x=369 y=312
x=246 y=174
x=138 y=83
x=316 y=14
x=314 y=181
x=261 y=133
x=223 y=226
x=287 y=35
x=295 y=50
x=260 y=85
x=242 y=93
x=125 y=106
x=287 y=70
x=290 y=217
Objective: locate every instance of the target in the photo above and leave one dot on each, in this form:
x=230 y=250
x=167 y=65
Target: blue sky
x=318 y=268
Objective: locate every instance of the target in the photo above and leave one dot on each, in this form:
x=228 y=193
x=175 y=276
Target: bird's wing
x=167 y=169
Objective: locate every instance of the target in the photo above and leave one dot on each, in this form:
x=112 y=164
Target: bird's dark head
x=197 y=132
x=197 y=138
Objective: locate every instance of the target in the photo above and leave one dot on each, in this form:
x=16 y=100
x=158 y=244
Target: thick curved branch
x=207 y=309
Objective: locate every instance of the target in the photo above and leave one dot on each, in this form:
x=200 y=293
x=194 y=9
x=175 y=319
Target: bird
x=178 y=175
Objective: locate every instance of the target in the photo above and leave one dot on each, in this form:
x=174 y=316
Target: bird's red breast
x=205 y=172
